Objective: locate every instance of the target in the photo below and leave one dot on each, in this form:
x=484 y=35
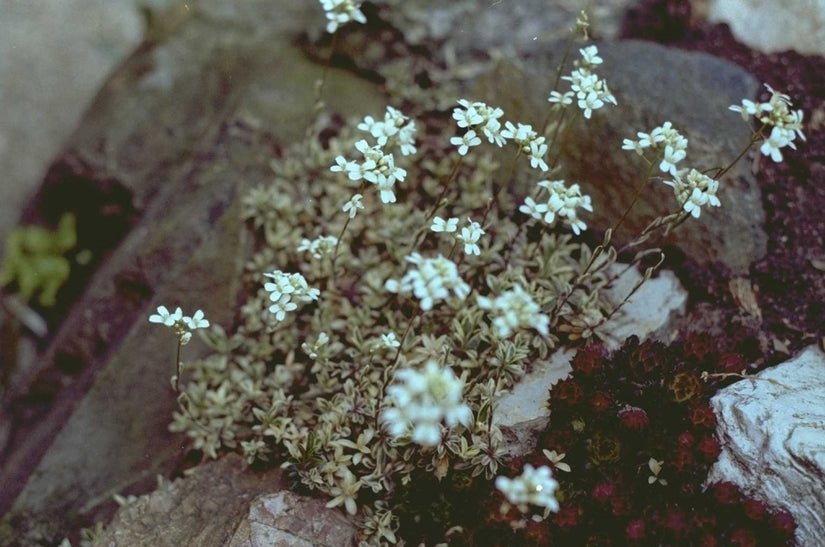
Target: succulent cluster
x=639 y=435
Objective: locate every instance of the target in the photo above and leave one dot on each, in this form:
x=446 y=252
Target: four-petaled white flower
x=163 y=316
x=390 y=341
x=465 y=141
x=353 y=205
x=197 y=321
x=470 y=235
x=441 y=225
x=418 y=403
x=533 y=486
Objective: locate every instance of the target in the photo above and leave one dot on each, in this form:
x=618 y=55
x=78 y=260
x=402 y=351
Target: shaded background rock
x=772 y=432
x=191 y=119
x=774 y=26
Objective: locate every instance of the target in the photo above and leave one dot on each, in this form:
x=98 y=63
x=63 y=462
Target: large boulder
x=179 y=131
x=772 y=431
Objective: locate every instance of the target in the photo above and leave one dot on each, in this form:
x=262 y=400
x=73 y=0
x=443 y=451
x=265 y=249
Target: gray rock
x=222 y=504
x=772 y=432
x=182 y=128
x=765 y=25
x=285 y=519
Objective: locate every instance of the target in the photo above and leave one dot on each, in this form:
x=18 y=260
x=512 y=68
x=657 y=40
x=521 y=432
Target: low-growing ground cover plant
x=400 y=284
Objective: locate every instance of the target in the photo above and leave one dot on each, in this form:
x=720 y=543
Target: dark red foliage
x=709 y=449
x=701 y=415
x=635 y=530
x=731 y=362
x=725 y=493
x=568 y=517
x=602 y=492
x=567 y=392
x=602 y=402
x=743 y=537
x=633 y=418
x=755 y=509
x=589 y=360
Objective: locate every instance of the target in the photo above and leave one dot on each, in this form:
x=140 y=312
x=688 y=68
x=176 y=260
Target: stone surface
x=54 y=56
x=222 y=504
x=774 y=26
x=285 y=519
x=178 y=132
x=772 y=432
x=523 y=412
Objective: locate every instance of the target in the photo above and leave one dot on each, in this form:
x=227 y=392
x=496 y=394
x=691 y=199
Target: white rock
x=772 y=432
x=770 y=26
x=523 y=411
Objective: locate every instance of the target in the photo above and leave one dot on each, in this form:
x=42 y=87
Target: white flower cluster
x=515 y=309
x=786 y=124
x=469 y=235
x=477 y=118
x=419 y=402
x=378 y=166
x=562 y=202
x=182 y=325
x=664 y=138
x=533 y=486
x=395 y=130
x=433 y=280
x=694 y=191
x=340 y=12
x=529 y=142
x=285 y=289
x=590 y=91
x=318 y=247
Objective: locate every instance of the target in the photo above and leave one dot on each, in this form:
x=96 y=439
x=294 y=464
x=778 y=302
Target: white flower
x=163 y=316
x=515 y=309
x=590 y=55
x=197 y=321
x=419 y=402
x=465 y=141
x=665 y=138
x=182 y=325
x=469 y=236
x=533 y=486
x=432 y=280
x=285 y=289
x=353 y=205
x=395 y=130
x=478 y=116
x=390 y=341
x=535 y=210
x=590 y=102
x=441 y=225
x=778 y=138
x=339 y=12
x=564 y=202
x=318 y=247
x=670 y=158
x=563 y=99
x=655 y=467
x=694 y=191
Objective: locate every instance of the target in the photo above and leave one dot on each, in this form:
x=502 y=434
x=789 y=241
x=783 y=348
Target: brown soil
x=790 y=281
